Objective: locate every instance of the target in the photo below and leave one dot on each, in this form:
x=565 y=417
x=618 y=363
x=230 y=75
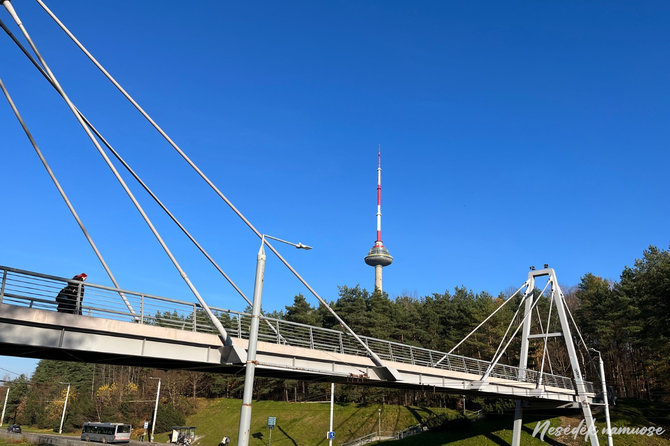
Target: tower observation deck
x=379 y=256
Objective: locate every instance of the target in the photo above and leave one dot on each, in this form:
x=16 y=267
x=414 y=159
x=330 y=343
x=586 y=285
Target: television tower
x=379 y=256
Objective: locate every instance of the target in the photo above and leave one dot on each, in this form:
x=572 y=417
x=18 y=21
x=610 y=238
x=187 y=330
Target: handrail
x=37 y=290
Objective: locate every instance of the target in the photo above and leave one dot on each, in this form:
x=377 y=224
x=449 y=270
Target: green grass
x=302 y=424
x=305 y=424
x=498 y=430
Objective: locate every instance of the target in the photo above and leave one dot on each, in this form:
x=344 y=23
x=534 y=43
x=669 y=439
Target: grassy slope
x=305 y=424
x=299 y=423
x=498 y=430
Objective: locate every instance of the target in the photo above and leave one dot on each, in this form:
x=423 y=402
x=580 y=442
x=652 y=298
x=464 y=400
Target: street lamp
x=250 y=368
x=607 y=409
x=297 y=245
x=2 y=418
x=62 y=418
x=332 y=401
x=153 y=423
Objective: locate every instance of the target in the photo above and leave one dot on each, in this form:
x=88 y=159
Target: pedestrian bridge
x=126 y=327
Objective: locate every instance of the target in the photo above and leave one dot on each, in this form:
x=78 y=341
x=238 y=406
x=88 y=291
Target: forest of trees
x=627 y=320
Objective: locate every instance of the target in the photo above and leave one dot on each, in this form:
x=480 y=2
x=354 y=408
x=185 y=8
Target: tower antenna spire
x=379 y=256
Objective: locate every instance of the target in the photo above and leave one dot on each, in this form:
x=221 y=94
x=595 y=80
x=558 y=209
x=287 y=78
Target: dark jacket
x=68 y=296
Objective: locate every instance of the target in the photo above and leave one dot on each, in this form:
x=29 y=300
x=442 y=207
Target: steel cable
x=205 y=178
x=225 y=337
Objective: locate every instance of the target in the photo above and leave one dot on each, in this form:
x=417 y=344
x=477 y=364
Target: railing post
x=195 y=310
x=341 y=344
x=411 y=355
x=141 y=309
x=2 y=287
x=278 y=334
x=391 y=351
x=77 y=308
x=311 y=338
x=239 y=325
x=430 y=358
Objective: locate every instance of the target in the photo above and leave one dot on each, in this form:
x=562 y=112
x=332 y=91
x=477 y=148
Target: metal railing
x=36 y=290
x=369 y=438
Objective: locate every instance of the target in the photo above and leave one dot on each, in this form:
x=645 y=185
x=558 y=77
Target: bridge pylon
x=558 y=300
x=529 y=303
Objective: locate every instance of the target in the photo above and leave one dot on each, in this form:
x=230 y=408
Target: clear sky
x=512 y=134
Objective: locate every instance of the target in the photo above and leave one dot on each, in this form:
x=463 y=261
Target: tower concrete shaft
x=378 y=256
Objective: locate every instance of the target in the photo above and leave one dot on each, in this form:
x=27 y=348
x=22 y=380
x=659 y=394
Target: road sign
x=330 y=435
x=271 y=422
x=146 y=424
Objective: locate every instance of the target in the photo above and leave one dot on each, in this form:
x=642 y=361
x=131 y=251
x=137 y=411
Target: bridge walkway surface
x=127 y=327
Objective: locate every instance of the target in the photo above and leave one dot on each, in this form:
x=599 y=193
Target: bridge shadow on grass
x=369 y=419
x=497 y=429
x=287 y=435
x=505 y=424
x=419 y=417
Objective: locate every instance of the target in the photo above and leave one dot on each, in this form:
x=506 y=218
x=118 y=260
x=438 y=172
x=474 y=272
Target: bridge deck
x=167 y=333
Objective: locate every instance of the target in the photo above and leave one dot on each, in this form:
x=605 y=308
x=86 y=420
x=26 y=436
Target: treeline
x=628 y=321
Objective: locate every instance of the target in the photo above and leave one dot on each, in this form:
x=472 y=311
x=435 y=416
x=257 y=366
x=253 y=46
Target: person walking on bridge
x=71 y=297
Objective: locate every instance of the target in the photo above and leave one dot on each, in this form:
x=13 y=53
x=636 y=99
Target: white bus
x=106 y=432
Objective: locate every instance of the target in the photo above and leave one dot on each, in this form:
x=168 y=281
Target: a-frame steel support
x=559 y=301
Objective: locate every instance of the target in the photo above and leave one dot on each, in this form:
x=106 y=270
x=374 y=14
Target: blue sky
x=512 y=134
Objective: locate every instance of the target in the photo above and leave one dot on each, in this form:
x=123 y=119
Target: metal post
x=523 y=358
x=332 y=401
x=2 y=419
x=153 y=423
x=2 y=294
x=559 y=301
x=62 y=418
x=245 y=411
x=77 y=309
x=379 y=425
x=607 y=408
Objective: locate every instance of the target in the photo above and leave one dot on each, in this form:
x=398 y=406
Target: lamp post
x=62 y=418
x=250 y=368
x=607 y=408
x=153 y=423
x=2 y=418
x=332 y=401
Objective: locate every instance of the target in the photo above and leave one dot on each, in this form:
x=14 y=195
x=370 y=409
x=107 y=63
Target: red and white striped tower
x=379 y=256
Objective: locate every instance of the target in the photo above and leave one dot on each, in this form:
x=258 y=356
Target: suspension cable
x=495 y=362
x=217 y=324
x=539 y=320
x=545 y=352
x=63 y=194
x=323 y=302
x=134 y=174
x=58 y=186
x=482 y=323
x=511 y=322
x=565 y=304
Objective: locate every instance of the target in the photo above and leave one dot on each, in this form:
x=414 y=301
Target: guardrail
x=36 y=290
x=383 y=435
